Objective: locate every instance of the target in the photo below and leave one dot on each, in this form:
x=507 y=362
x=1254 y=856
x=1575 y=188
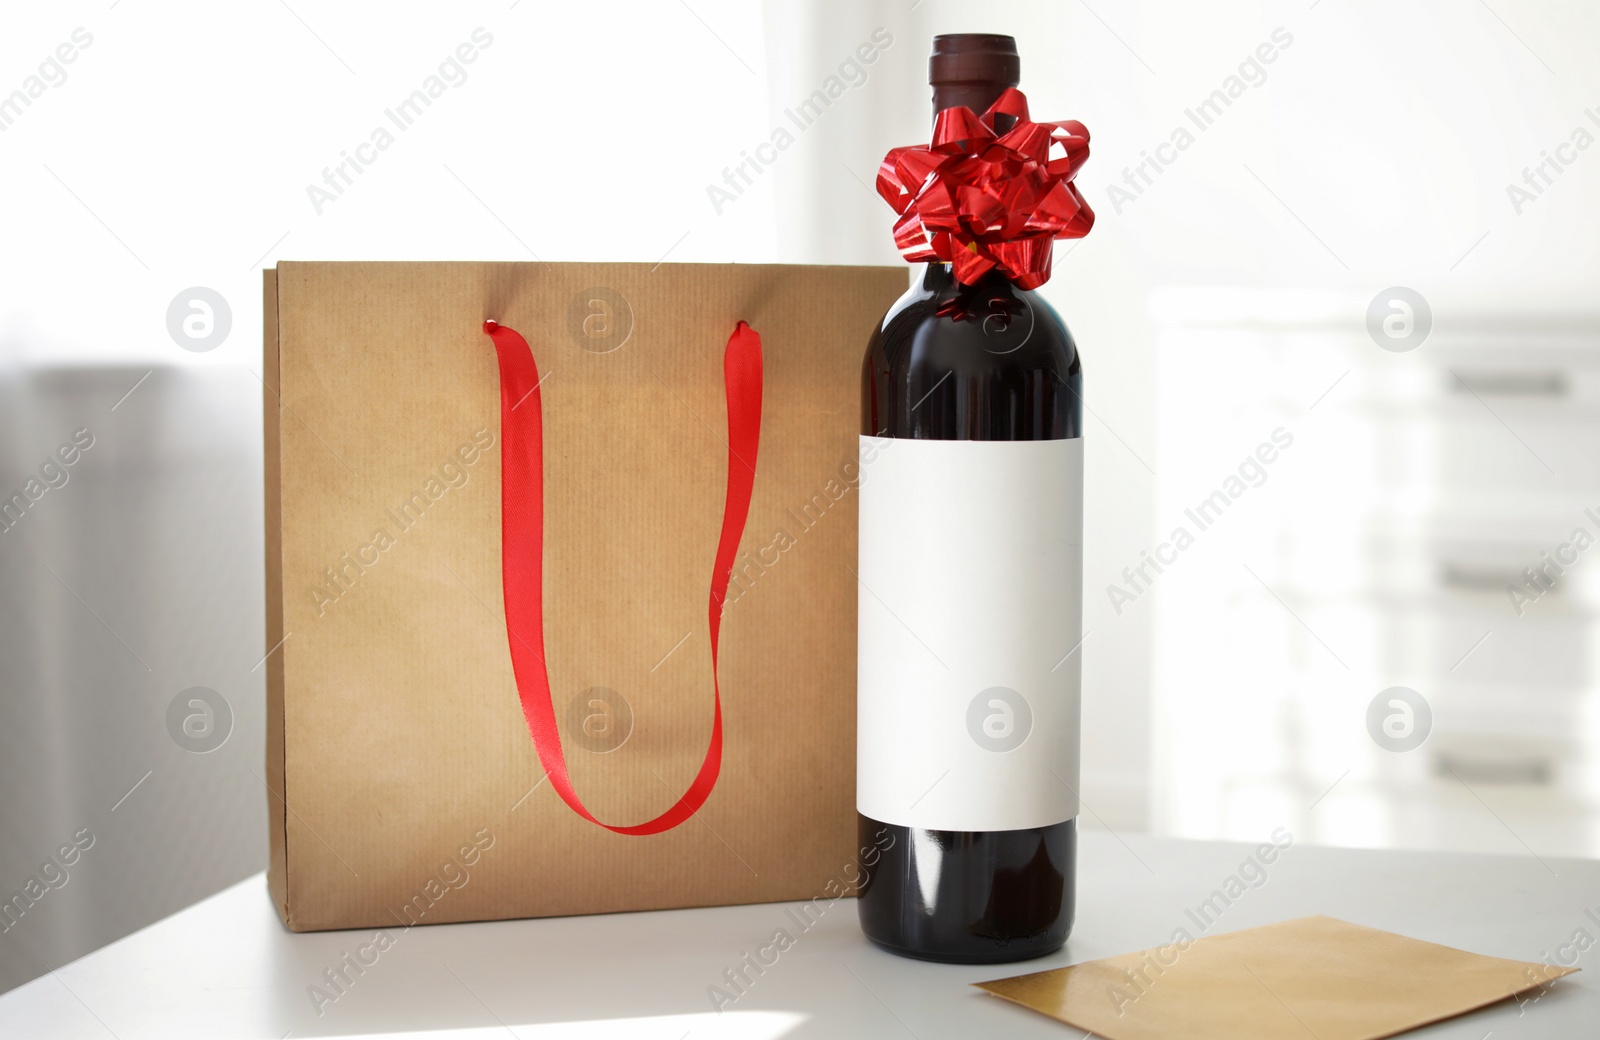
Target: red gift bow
x=522 y=552
x=979 y=201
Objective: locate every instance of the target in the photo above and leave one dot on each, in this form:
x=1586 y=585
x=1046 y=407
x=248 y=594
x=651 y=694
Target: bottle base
x=958 y=897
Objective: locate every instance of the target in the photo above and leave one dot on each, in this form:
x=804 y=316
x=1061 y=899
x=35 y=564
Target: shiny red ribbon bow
x=981 y=201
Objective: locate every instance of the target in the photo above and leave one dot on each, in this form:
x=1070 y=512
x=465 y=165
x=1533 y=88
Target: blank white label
x=971 y=615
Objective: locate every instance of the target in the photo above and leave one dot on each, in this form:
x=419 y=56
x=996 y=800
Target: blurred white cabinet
x=1375 y=551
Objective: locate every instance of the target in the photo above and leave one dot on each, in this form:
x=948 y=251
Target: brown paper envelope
x=1312 y=977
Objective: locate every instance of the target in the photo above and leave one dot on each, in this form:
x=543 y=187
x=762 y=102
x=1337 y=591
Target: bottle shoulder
x=983 y=329
x=983 y=362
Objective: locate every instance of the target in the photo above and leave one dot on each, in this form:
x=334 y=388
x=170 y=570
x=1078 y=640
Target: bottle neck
x=939 y=278
x=977 y=95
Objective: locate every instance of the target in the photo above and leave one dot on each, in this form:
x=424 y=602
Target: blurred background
x=1359 y=233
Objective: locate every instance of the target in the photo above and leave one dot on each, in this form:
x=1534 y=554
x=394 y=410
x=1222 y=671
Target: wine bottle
x=970 y=592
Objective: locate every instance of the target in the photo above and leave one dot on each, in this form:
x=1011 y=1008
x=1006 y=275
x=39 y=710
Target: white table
x=227 y=968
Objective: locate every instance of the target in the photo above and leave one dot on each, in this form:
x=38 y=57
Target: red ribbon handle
x=522 y=549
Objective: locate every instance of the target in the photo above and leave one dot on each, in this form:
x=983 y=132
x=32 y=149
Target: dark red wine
x=970 y=608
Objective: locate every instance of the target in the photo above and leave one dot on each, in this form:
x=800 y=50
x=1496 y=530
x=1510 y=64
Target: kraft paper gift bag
x=637 y=478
